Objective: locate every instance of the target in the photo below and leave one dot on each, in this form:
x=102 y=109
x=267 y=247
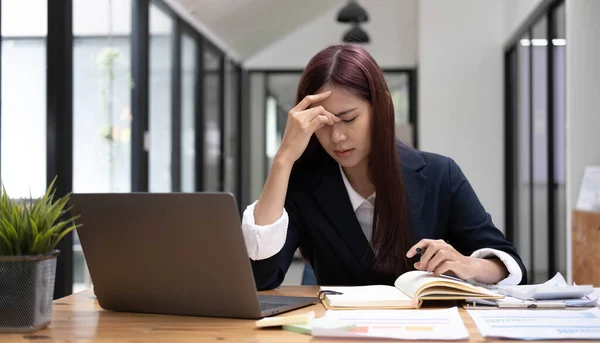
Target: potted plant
x=29 y=231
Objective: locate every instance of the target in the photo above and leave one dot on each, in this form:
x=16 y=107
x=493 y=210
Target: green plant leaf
x=34 y=226
x=34 y=229
x=63 y=234
x=11 y=235
x=35 y=244
x=58 y=228
x=5 y=247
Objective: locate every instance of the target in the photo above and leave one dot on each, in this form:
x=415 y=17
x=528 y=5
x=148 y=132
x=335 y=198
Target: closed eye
x=343 y=113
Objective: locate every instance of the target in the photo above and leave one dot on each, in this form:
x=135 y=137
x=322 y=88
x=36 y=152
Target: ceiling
x=249 y=26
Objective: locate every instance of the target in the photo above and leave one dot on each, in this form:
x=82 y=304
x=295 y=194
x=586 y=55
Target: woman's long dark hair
x=351 y=67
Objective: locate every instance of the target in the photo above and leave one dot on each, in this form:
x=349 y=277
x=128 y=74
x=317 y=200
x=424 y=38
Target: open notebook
x=409 y=291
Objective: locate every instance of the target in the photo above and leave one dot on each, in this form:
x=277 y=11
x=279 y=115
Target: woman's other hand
x=440 y=257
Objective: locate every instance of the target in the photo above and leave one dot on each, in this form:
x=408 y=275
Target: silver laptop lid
x=173 y=253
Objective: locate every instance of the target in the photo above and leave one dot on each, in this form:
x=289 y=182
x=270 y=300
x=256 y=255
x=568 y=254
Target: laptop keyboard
x=270 y=306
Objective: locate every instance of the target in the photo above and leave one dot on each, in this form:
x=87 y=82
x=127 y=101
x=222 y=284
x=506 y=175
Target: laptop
x=174 y=253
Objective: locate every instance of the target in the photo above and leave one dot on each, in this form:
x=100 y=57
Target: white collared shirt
x=363 y=208
x=264 y=241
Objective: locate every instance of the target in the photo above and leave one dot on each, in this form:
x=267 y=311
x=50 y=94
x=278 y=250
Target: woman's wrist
x=281 y=160
x=488 y=270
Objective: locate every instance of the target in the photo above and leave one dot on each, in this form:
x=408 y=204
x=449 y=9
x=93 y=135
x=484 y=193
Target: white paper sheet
x=597 y=294
x=589 y=193
x=419 y=324
x=538 y=324
x=557 y=284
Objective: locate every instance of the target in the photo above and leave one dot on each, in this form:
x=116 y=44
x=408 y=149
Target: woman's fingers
x=318 y=122
x=446 y=267
x=319 y=111
x=309 y=100
x=422 y=244
x=440 y=257
x=434 y=253
x=430 y=247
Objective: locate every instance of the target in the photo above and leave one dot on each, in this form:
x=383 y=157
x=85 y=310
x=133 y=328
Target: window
x=232 y=118
x=539 y=139
x=101 y=96
x=159 y=109
x=280 y=98
x=559 y=129
x=23 y=113
x=212 y=120
x=398 y=86
x=535 y=138
x=188 y=112
x=101 y=106
x=521 y=204
x=273 y=136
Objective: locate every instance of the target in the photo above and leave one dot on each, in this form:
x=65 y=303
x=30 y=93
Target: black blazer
x=441 y=202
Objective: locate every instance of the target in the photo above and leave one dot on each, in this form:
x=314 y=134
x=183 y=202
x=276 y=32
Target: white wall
x=583 y=103
x=392 y=27
x=461 y=91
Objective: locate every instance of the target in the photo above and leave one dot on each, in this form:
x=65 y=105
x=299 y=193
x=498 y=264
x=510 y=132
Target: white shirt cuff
x=514 y=271
x=263 y=241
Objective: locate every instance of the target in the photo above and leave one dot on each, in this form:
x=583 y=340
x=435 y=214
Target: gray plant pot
x=26 y=292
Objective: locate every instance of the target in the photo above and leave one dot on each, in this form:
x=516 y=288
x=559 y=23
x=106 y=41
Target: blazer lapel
x=333 y=198
x=415 y=183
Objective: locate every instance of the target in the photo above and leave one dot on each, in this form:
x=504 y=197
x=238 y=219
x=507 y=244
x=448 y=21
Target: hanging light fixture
x=352 y=13
x=356 y=35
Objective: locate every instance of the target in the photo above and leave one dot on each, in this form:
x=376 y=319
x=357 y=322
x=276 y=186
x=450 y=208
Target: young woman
x=357 y=202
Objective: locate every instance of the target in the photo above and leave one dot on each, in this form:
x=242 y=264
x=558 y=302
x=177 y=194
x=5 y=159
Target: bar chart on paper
x=443 y=324
x=538 y=324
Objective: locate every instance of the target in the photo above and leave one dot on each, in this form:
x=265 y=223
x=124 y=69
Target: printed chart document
x=538 y=324
x=443 y=324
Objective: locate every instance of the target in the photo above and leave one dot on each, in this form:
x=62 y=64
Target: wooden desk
x=585 y=230
x=79 y=318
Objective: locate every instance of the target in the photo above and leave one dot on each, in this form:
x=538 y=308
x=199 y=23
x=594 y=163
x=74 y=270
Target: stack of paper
x=554 y=293
x=510 y=302
x=541 y=324
x=596 y=294
x=443 y=324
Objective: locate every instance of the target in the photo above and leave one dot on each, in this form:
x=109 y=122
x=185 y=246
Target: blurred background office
x=193 y=95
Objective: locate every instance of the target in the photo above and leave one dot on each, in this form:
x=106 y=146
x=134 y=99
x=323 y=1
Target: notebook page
x=410 y=282
x=362 y=295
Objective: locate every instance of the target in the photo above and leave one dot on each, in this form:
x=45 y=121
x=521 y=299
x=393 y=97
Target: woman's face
x=349 y=140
